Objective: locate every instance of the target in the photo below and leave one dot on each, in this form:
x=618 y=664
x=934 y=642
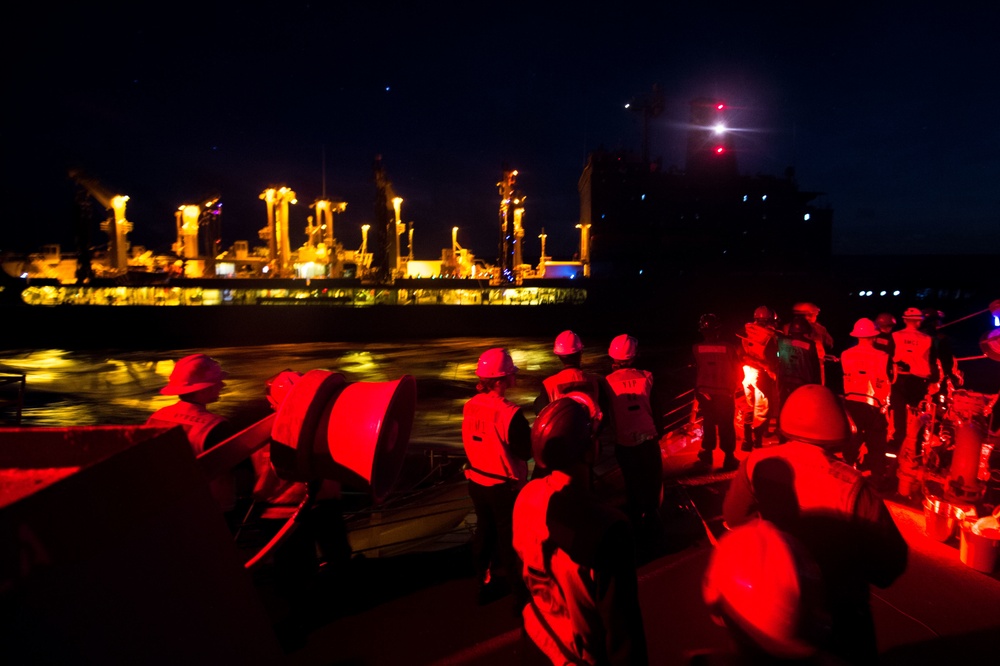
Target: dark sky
x=891 y=112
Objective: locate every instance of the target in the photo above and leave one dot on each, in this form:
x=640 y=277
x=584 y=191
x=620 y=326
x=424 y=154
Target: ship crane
x=116 y=226
x=511 y=231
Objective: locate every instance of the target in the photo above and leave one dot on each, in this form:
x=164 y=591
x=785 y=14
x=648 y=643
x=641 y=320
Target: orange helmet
x=763 y=581
x=567 y=343
x=623 y=348
x=194 y=373
x=494 y=363
x=815 y=415
x=561 y=434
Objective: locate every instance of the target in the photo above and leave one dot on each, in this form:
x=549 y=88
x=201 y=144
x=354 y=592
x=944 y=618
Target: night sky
x=891 y=113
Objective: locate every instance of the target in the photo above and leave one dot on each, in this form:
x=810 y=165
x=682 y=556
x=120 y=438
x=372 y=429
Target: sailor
x=497 y=441
x=568 y=348
x=760 y=356
x=637 y=446
x=817 y=333
x=916 y=367
x=947 y=363
x=715 y=387
x=885 y=322
x=798 y=360
x=866 y=390
x=577 y=554
x=197 y=381
x=802 y=489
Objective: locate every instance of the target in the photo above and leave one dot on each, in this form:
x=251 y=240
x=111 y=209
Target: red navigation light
x=720 y=106
x=719 y=150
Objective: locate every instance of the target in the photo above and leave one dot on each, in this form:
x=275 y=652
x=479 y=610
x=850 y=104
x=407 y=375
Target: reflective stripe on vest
x=914 y=348
x=630 y=390
x=715 y=370
x=865 y=377
x=485 y=427
x=561 y=597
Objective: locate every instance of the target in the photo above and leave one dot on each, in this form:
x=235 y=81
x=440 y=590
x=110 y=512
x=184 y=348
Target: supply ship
x=657 y=248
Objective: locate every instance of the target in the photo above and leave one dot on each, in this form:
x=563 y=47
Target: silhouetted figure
x=830 y=508
x=577 y=553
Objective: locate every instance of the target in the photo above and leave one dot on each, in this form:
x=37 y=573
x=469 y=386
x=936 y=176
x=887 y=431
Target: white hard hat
x=864 y=328
x=623 y=348
x=567 y=343
x=495 y=362
x=193 y=373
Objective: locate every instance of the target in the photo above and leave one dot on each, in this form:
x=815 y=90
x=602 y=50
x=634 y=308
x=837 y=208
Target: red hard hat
x=913 y=313
x=815 y=415
x=193 y=373
x=623 y=348
x=885 y=319
x=567 y=343
x=561 y=434
x=763 y=313
x=805 y=308
x=495 y=362
x=763 y=580
x=864 y=328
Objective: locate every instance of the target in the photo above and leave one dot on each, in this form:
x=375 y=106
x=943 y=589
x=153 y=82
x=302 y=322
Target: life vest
x=913 y=347
x=756 y=342
x=630 y=390
x=714 y=361
x=865 y=376
x=797 y=361
x=198 y=423
x=486 y=422
x=568 y=380
x=820 y=484
x=564 y=599
x=883 y=342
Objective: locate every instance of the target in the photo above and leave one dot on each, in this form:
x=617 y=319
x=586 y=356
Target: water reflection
x=105 y=388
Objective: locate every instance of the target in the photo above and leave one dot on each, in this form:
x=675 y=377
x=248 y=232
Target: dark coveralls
x=715 y=385
x=798 y=365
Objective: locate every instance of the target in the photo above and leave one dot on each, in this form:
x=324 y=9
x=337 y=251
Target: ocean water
x=66 y=388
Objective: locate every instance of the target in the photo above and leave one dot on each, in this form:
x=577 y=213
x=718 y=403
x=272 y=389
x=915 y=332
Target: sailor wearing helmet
x=637 y=447
x=866 y=389
x=577 y=552
x=568 y=348
x=802 y=489
x=197 y=381
x=497 y=441
x=916 y=366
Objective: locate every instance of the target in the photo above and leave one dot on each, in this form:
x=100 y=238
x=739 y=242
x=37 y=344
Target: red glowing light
x=720 y=106
x=719 y=150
